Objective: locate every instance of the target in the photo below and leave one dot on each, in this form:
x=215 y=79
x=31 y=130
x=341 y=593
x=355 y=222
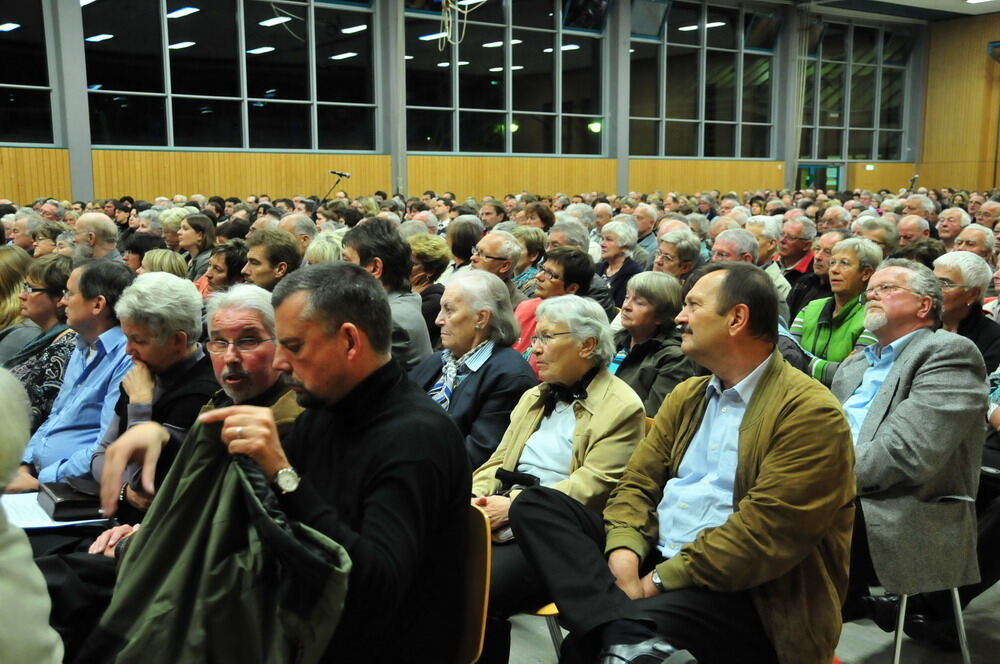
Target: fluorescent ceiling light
x=354 y=28
x=182 y=12
x=547 y=50
x=343 y=56
x=432 y=36
x=467 y=2
x=95 y=86
x=462 y=63
x=7 y=27
x=407 y=57
x=496 y=68
x=260 y=49
x=444 y=64
x=498 y=44
x=84 y=3
x=570 y=47
x=976 y=2
x=715 y=24
x=516 y=67
x=180 y=45
x=687 y=28
x=277 y=20
x=99 y=38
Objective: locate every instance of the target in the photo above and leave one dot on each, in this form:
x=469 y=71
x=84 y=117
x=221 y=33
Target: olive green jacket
x=788 y=539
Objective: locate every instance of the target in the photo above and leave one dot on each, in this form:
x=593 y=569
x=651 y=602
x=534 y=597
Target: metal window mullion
x=848 y=81
x=167 y=86
x=738 y=111
x=661 y=81
x=557 y=67
x=312 y=64
x=877 y=123
x=702 y=78
x=241 y=64
x=456 y=102
x=508 y=76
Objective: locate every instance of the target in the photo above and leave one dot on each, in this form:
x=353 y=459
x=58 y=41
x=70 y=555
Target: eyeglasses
x=945 y=284
x=476 y=252
x=885 y=289
x=845 y=264
x=666 y=258
x=34 y=289
x=544 y=338
x=792 y=238
x=549 y=273
x=244 y=345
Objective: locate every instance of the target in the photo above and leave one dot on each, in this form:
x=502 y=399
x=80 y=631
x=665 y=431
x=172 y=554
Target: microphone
x=341 y=174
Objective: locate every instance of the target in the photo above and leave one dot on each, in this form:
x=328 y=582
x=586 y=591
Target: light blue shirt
x=472 y=361
x=548 y=453
x=880 y=361
x=64 y=443
x=701 y=495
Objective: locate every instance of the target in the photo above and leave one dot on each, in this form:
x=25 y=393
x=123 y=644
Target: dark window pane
x=423 y=5
x=481 y=132
x=642 y=137
x=279 y=125
x=582 y=135
x=684 y=23
x=480 y=82
x=680 y=139
x=720 y=85
x=806 y=144
x=761 y=30
x=127 y=120
x=128 y=55
x=276 y=57
x=896 y=47
x=643 y=78
x=534 y=133
x=809 y=94
x=859 y=144
x=831 y=94
x=835 y=42
x=757 y=88
x=890 y=145
x=814 y=33
x=865 y=46
x=25 y=116
x=344 y=56
x=22 y=50
x=585 y=14
x=207 y=123
x=346 y=127
x=534 y=71
x=722 y=27
x=427 y=84
x=830 y=144
x=648 y=17
x=720 y=140
x=682 y=82
x=756 y=142
x=428 y=131
x=891 y=111
x=863 y=96
x=581 y=67
x=490 y=12
x=532 y=13
x=204 y=50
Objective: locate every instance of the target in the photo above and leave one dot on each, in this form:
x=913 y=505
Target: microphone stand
x=339 y=178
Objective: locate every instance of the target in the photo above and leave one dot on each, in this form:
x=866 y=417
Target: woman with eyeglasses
x=574 y=433
x=964 y=278
x=831 y=328
x=40 y=364
x=15 y=329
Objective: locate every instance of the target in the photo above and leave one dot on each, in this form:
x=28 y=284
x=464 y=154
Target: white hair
x=585 y=320
x=583 y=213
x=625 y=232
x=243 y=297
x=744 y=242
x=768 y=225
x=974 y=270
x=926 y=204
x=164 y=303
x=963 y=216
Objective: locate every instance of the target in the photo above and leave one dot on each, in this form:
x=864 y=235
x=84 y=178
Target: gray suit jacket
x=917 y=461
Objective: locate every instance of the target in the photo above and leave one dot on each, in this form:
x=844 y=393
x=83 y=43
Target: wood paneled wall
x=148 y=174
x=963 y=100
x=30 y=173
x=688 y=176
x=891 y=176
x=496 y=176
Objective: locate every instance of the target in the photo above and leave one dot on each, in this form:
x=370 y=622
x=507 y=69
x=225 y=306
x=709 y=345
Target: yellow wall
x=148 y=174
x=888 y=175
x=30 y=173
x=688 y=176
x=963 y=99
x=496 y=176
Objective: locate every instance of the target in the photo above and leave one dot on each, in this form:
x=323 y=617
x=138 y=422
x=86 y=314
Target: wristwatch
x=287 y=480
x=655 y=578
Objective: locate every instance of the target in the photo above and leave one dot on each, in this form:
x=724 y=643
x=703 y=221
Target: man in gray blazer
x=916 y=404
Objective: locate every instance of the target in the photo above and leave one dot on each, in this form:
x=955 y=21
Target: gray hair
x=391 y=216
x=988 y=237
x=243 y=297
x=576 y=232
x=743 y=240
x=485 y=291
x=843 y=214
x=411 y=227
x=625 y=232
x=100 y=225
x=605 y=207
x=302 y=224
x=506 y=226
x=164 y=303
x=867 y=252
x=922 y=224
x=891 y=232
x=808 y=227
x=584 y=213
x=922 y=281
x=472 y=219
x=661 y=290
x=686 y=242
x=699 y=223
x=510 y=248
x=964 y=217
x=768 y=225
x=926 y=204
x=324 y=247
x=654 y=214
x=14 y=411
x=975 y=271
x=585 y=319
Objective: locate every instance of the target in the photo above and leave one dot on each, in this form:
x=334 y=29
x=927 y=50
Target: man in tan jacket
x=729 y=534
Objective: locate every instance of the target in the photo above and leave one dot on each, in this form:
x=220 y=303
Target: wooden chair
x=477 y=586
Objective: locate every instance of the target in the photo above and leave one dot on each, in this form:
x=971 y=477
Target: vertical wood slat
x=30 y=173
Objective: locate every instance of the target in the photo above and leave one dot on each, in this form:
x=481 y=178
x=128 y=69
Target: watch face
x=287 y=480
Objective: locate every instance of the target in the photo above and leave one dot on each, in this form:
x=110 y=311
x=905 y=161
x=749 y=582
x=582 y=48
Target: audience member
x=96 y=236
x=137 y=245
x=532 y=242
x=498 y=252
x=16 y=329
x=679 y=253
x=430 y=259
x=272 y=254
x=618 y=239
x=163 y=260
x=795 y=248
x=964 y=278
x=225 y=265
x=196 y=237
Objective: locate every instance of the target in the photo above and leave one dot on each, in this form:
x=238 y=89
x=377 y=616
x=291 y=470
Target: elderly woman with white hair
x=573 y=433
x=478 y=378
x=618 y=239
x=964 y=278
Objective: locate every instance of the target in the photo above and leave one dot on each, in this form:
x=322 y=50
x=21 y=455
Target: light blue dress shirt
x=880 y=361
x=548 y=453
x=64 y=443
x=701 y=495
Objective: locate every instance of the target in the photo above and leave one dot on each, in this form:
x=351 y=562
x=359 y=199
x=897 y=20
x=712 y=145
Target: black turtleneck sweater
x=385 y=474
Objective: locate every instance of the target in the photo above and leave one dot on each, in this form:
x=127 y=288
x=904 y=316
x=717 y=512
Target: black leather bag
x=64 y=503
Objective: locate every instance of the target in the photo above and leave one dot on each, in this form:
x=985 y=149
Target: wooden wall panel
x=891 y=176
x=30 y=173
x=688 y=176
x=963 y=100
x=148 y=174
x=496 y=176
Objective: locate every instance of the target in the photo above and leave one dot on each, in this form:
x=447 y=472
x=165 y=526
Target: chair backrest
x=477 y=586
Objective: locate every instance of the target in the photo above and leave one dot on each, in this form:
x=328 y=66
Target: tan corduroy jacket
x=609 y=424
x=788 y=540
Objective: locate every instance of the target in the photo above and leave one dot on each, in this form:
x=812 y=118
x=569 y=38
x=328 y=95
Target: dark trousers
x=564 y=543
x=862 y=570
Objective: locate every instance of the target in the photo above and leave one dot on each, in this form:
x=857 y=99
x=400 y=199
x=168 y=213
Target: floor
x=860 y=643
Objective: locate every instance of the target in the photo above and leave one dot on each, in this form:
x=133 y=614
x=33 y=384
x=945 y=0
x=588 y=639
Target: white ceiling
x=957 y=6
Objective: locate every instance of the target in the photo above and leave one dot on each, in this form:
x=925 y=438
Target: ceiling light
x=594 y=127
x=7 y=27
x=260 y=49
x=99 y=38
x=467 y=2
x=84 y=3
x=547 y=50
x=570 y=47
x=687 y=28
x=354 y=28
x=95 y=86
x=514 y=127
x=976 y=2
x=407 y=57
x=715 y=24
x=180 y=45
x=182 y=12
x=496 y=68
x=432 y=36
x=343 y=56
x=462 y=63
x=516 y=67
x=444 y=64
x=277 y=20
x=496 y=44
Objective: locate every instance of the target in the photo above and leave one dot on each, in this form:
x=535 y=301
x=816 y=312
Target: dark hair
x=923 y=250
x=106 y=278
x=280 y=246
x=496 y=206
x=464 y=236
x=232 y=229
x=52 y=272
x=341 y=292
x=419 y=206
x=203 y=225
x=378 y=239
x=577 y=265
x=382 y=194
x=744 y=283
x=287 y=201
x=430 y=193
x=140 y=243
x=543 y=212
x=463 y=209
x=235 y=253
x=350 y=216
x=233 y=200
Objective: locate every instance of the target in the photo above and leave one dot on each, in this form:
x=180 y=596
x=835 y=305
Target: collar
x=878 y=355
x=802 y=266
x=265 y=399
x=744 y=389
x=552 y=393
x=108 y=341
x=474 y=359
x=181 y=367
x=370 y=391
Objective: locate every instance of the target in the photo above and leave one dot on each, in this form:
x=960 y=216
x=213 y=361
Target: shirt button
x=673 y=545
x=683 y=506
x=713 y=446
x=725 y=410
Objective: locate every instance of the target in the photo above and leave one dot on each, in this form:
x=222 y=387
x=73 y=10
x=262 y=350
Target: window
x=25 y=105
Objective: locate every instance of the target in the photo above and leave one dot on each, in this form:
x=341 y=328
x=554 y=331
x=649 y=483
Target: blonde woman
x=163 y=260
x=15 y=329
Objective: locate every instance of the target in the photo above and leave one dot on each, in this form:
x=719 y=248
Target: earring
x=477 y=327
